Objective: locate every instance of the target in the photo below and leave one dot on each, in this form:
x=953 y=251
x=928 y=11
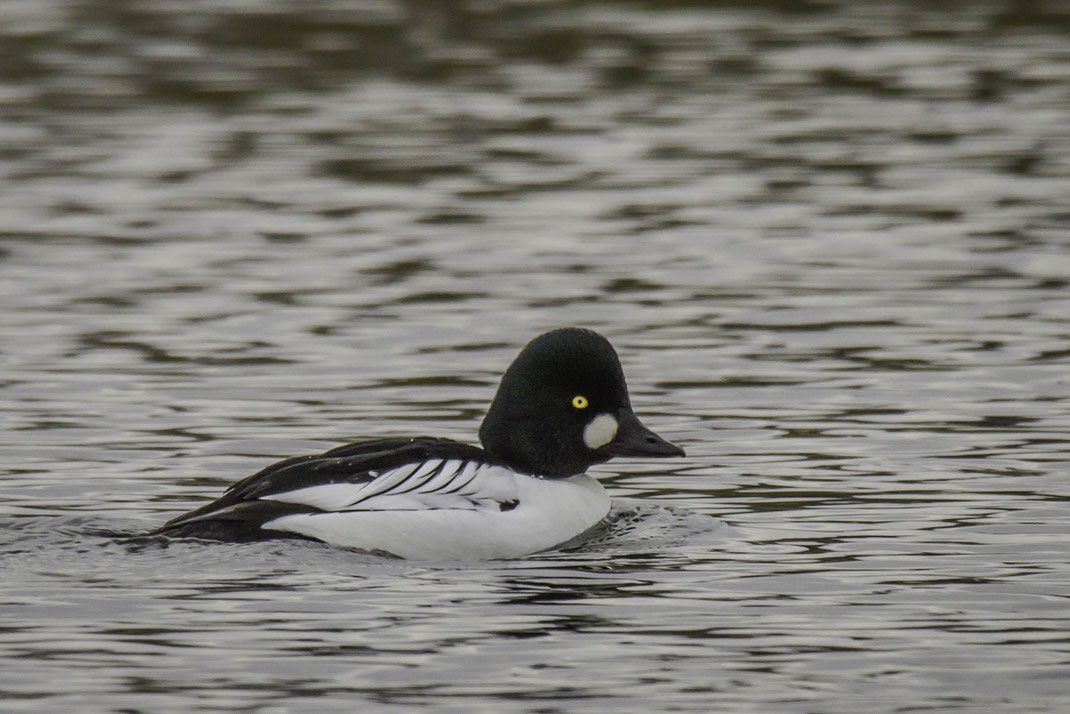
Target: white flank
x=600 y=431
x=468 y=524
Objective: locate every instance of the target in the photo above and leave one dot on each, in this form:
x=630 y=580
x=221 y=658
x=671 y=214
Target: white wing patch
x=427 y=485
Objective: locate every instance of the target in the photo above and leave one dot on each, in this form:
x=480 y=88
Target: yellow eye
x=579 y=401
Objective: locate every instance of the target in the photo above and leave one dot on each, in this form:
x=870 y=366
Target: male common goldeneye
x=561 y=406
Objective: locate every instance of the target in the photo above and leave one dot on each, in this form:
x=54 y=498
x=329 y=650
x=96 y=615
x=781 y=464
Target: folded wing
x=424 y=473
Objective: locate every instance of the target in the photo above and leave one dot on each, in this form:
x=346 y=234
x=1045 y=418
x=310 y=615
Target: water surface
x=829 y=240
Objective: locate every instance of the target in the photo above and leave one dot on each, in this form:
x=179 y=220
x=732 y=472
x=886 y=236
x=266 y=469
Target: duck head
x=563 y=406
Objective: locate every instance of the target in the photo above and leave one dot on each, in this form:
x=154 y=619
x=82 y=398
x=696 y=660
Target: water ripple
x=829 y=243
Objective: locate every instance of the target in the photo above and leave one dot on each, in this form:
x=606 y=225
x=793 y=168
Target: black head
x=563 y=406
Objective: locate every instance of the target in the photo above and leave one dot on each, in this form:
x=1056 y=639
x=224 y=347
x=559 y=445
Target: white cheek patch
x=600 y=431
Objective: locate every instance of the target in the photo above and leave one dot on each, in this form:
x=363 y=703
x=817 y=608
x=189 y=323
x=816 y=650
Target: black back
x=238 y=514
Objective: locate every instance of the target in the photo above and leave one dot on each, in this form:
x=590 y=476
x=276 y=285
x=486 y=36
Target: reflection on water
x=829 y=240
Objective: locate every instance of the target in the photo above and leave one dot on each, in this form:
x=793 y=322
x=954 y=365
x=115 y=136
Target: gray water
x=830 y=240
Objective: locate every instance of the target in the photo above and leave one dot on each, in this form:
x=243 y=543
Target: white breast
x=427 y=523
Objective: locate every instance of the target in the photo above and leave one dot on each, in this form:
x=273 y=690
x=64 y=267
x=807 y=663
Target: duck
x=561 y=407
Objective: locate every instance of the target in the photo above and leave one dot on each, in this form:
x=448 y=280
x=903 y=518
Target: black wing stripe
x=464 y=470
x=384 y=482
x=461 y=485
x=389 y=481
x=419 y=483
